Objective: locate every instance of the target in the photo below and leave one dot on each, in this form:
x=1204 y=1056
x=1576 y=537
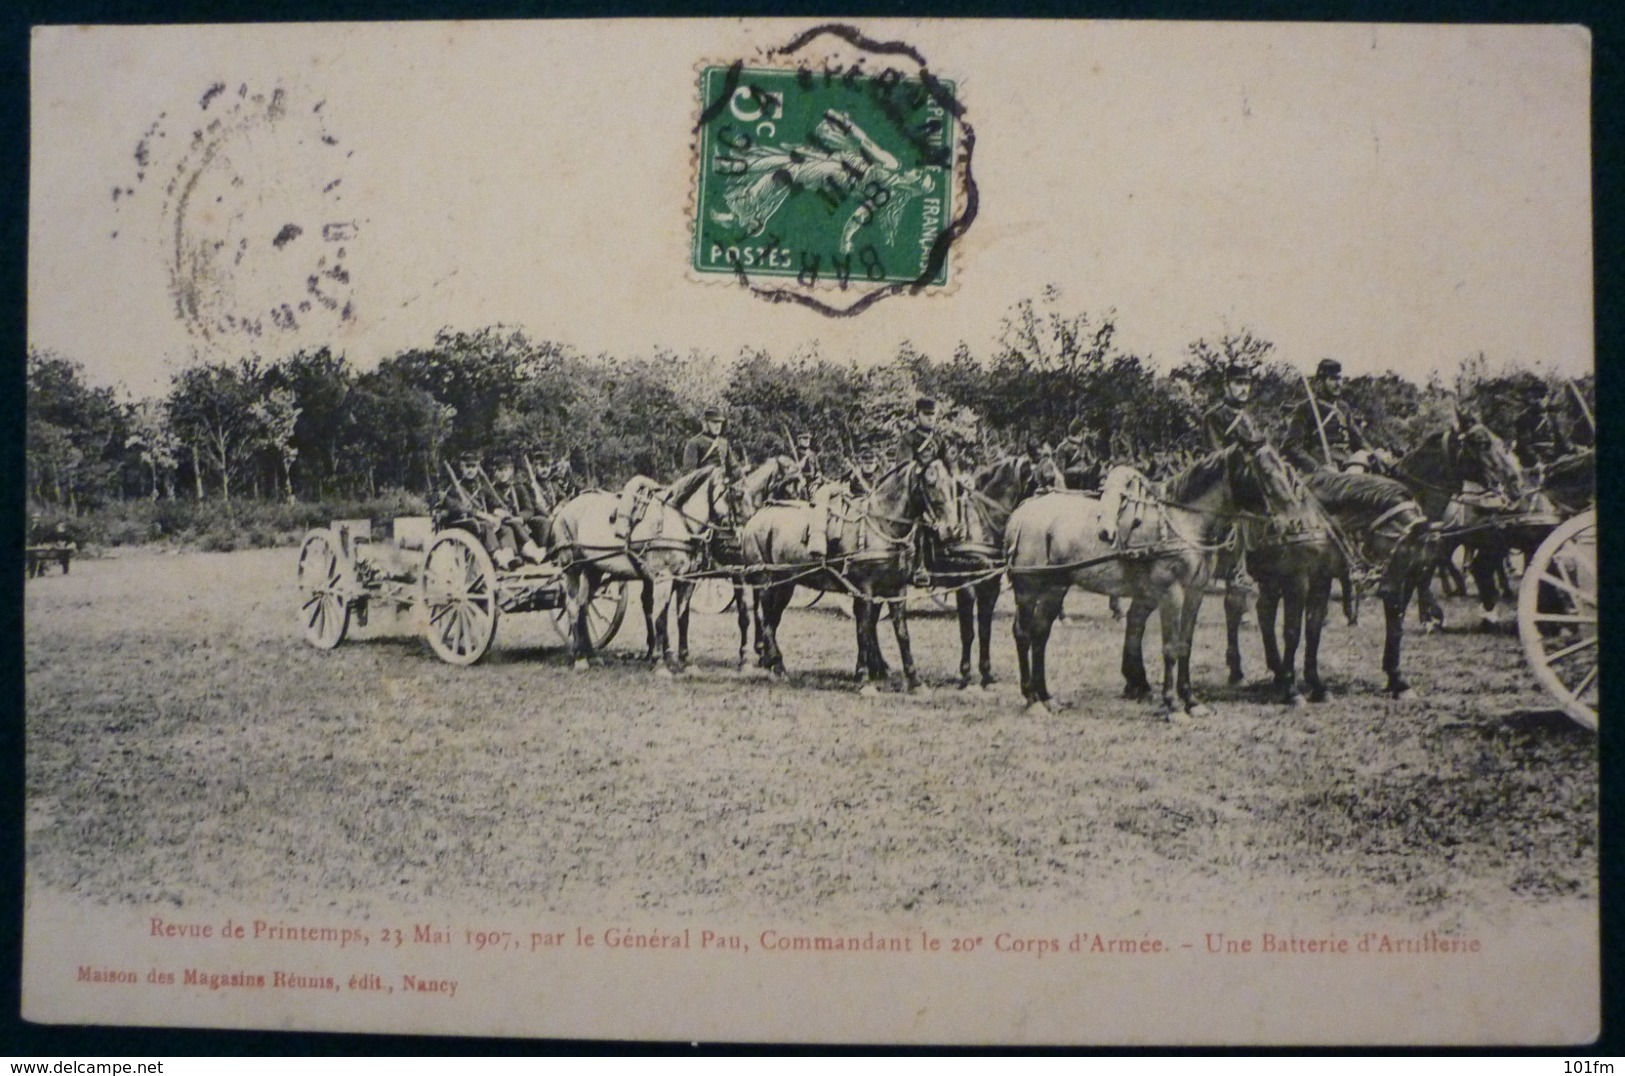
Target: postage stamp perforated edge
x=826 y=293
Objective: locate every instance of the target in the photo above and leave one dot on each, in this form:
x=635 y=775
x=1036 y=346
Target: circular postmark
x=834 y=165
x=254 y=232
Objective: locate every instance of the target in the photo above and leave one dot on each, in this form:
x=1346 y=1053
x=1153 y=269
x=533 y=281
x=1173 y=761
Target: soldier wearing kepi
x=526 y=518
x=921 y=442
x=1077 y=460
x=1228 y=422
x=805 y=460
x=470 y=505
x=710 y=446
x=1321 y=432
x=1537 y=433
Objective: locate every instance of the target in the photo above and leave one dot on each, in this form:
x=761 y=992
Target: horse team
x=1158 y=545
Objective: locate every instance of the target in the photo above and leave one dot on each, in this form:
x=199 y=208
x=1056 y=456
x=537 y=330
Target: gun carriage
x=349 y=567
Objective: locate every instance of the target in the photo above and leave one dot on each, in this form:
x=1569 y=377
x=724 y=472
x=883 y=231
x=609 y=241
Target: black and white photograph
x=833 y=531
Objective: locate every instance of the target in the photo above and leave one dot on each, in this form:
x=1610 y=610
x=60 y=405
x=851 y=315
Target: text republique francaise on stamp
x=832 y=178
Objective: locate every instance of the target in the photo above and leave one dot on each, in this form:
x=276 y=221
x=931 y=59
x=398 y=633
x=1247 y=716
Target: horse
x=1153 y=545
x=871 y=555
x=742 y=499
x=972 y=564
x=1488 y=524
x=645 y=533
x=1334 y=523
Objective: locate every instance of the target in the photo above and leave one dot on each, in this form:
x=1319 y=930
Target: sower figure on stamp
x=527 y=519
x=1321 y=432
x=470 y=505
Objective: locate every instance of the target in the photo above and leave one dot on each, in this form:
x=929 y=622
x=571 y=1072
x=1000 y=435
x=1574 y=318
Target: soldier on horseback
x=804 y=470
x=1538 y=438
x=1076 y=459
x=1228 y=422
x=1321 y=432
x=710 y=446
x=922 y=442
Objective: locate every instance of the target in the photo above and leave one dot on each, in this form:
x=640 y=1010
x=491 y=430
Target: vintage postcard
x=821 y=531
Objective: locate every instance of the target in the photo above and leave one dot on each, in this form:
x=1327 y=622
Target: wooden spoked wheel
x=604 y=615
x=324 y=589
x=459 y=597
x=1557 y=617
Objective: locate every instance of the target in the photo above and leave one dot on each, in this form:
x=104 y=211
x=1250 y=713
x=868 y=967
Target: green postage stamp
x=836 y=178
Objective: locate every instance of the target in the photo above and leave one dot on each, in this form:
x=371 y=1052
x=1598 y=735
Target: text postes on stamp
x=831 y=178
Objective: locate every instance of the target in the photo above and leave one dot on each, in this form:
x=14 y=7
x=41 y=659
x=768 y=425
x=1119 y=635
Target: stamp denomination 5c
x=836 y=178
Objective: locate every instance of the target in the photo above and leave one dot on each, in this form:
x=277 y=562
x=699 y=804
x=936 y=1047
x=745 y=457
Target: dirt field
x=185 y=746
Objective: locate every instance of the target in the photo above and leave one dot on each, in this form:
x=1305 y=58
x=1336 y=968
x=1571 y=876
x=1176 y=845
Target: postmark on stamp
x=831 y=179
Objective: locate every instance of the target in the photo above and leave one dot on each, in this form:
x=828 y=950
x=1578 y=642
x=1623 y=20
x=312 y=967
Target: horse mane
x=756 y=482
x=989 y=474
x=1198 y=478
x=689 y=484
x=1367 y=492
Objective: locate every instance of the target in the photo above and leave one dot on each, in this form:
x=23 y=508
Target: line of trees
x=311 y=427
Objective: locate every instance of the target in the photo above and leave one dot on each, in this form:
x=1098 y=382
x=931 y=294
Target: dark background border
x=1605 y=19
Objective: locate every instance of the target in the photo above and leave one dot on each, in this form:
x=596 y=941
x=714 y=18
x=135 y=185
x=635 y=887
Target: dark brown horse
x=870 y=554
x=1488 y=524
x=1335 y=525
x=973 y=564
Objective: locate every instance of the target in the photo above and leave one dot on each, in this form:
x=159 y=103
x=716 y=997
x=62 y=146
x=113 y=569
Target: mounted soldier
x=1076 y=459
x=803 y=476
x=921 y=441
x=1321 y=432
x=1538 y=438
x=1229 y=422
x=710 y=446
x=1048 y=476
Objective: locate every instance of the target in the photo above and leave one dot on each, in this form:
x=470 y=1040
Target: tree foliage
x=310 y=426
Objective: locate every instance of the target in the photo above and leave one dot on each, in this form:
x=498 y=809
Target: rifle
x=1584 y=410
x=535 y=487
x=458 y=485
x=496 y=495
x=1320 y=423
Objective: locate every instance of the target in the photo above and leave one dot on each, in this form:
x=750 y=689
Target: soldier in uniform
x=805 y=461
x=1048 y=476
x=920 y=441
x=710 y=446
x=1228 y=422
x=1538 y=438
x=860 y=476
x=1303 y=446
x=1076 y=459
x=525 y=517
x=470 y=505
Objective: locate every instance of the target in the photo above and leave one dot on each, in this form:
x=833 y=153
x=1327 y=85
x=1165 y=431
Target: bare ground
x=186 y=747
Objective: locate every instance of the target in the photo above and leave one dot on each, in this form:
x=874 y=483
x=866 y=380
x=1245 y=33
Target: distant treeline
x=310 y=427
